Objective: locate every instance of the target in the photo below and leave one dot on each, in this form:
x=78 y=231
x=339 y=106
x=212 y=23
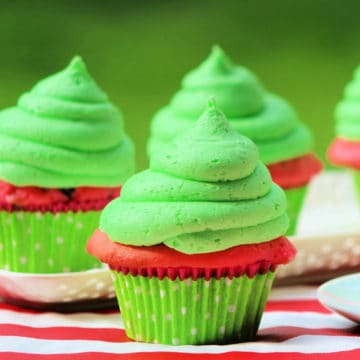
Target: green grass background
x=138 y=51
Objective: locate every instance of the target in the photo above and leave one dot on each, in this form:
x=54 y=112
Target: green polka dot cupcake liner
x=356 y=178
x=36 y=242
x=201 y=311
x=295 y=199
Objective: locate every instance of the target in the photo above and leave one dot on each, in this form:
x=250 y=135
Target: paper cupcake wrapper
x=356 y=177
x=35 y=242
x=295 y=199
x=179 y=312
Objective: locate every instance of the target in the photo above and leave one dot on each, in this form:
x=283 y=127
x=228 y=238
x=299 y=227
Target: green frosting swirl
x=65 y=133
x=206 y=192
x=265 y=118
x=347 y=112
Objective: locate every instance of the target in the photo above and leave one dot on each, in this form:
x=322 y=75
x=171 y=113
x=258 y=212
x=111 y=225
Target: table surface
x=294 y=326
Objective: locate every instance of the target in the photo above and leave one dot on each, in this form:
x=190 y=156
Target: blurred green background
x=138 y=51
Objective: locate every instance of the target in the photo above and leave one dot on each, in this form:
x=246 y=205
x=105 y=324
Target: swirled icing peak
x=244 y=93
x=65 y=133
x=265 y=118
x=207 y=191
x=347 y=112
x=218 y=60
x=73 y=83
x=220 y=155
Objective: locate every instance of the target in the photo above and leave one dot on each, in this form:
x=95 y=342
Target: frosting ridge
x=265 y=118
x=205 y=192
x=65 y=133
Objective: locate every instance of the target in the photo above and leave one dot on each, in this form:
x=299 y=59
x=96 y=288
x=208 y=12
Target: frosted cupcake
x=283 y=141
x=345 y=149
x=64 y=156
x=194 y=241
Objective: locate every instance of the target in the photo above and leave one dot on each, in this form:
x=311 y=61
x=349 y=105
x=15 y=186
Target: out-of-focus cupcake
x=64 y=155
x=194 y=241
x=284 y=142
x=345 y=148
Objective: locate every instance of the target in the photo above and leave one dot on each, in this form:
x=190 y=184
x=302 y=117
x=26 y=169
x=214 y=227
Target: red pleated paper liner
x=182 y=273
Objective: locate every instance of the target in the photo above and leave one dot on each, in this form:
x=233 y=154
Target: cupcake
x=283 y=141
x=63 y=157
x=345 y=149
x=194 y=241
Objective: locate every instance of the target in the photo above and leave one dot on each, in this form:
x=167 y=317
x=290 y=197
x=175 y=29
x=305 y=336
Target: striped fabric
x=294 y=326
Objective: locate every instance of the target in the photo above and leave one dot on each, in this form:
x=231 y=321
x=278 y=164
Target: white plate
x=58 y=291
x=321 y=257
x=328 y=233
x=342 y=295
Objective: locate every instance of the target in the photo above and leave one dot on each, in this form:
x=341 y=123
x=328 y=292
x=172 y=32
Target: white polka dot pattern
x=182 y=316
x=35 y=242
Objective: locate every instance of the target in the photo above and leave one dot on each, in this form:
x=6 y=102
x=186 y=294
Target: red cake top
x=31 y=198
x=345 y=153
x=295 y=172
x=116 y=255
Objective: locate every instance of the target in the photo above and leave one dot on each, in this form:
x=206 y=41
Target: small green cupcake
x=64 y=155
x=345 y=148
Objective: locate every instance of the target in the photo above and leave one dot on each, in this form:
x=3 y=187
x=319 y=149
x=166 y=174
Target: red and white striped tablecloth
x=294 y=326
